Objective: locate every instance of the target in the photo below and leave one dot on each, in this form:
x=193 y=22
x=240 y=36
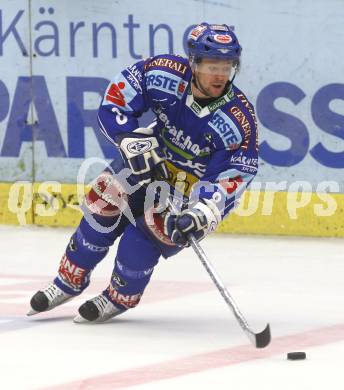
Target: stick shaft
x=217 y=281
x=259 y=340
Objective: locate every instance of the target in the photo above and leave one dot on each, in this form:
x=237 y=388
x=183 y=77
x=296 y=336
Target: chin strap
x=198 y=85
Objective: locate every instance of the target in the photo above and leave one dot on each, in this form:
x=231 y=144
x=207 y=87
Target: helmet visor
x=215 y=67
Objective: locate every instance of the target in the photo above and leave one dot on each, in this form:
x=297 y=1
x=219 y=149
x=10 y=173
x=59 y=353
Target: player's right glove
x=143 y=155
x=198 y=220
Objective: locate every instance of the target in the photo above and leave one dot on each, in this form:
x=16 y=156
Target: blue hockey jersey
x=216 y=146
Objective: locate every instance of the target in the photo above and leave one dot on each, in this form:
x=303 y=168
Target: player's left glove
x=143 y=155
x=199 y=220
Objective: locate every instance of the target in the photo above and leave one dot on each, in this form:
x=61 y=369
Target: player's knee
x=139 y=276
x=81 y=243
x=107 y=197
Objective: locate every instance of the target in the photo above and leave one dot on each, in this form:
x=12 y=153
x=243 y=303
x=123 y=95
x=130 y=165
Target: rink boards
x=57 y=60
x=260 y=212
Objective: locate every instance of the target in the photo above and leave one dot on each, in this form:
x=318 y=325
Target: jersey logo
x=121 y=92
x=179 y=143
x=181 y=87
x=231 y=184
x=244 y=163
x=226 y=129
x=114 y=94
x=249 y=107
x=167 y=63
x=167 y=82
x=244 y=124
x=139 y=147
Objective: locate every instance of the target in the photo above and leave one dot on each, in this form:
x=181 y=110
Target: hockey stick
x=259 y=340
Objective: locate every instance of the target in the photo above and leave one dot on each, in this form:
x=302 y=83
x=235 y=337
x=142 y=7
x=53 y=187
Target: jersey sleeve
x=123 y=102
x=229 y=173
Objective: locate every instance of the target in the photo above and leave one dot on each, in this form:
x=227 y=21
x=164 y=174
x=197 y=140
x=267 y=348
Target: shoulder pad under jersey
x=168 y=74
x=169 y=63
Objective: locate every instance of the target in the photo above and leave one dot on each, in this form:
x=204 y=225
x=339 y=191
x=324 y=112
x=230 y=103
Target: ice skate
x=47 y=299
x=96 y=310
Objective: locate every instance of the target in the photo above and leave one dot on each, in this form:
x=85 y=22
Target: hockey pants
x=137 y=255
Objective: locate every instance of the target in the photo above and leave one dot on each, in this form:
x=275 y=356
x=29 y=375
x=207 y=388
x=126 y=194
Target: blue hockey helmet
x=213 y=41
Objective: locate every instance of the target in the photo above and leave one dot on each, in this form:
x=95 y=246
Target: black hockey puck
x=296 y=355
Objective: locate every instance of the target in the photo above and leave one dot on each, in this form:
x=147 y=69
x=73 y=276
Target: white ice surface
x=182 y=335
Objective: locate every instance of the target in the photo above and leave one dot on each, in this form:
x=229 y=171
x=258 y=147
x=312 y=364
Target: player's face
x=213 y=74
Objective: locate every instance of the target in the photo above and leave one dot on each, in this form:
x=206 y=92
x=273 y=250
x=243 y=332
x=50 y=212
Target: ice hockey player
x=204 y=140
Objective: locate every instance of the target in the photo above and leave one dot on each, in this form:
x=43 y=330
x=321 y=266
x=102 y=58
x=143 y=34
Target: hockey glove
x=199 y=220
x=142 y=154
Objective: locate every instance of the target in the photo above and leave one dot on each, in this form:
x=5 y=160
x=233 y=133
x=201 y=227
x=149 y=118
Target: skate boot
x=96 y=310
x=47 y=299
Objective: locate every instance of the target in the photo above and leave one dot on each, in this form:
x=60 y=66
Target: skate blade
x=81 y=320
x=32 y=312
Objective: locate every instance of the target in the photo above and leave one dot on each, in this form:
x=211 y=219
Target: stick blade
x=263 y=338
